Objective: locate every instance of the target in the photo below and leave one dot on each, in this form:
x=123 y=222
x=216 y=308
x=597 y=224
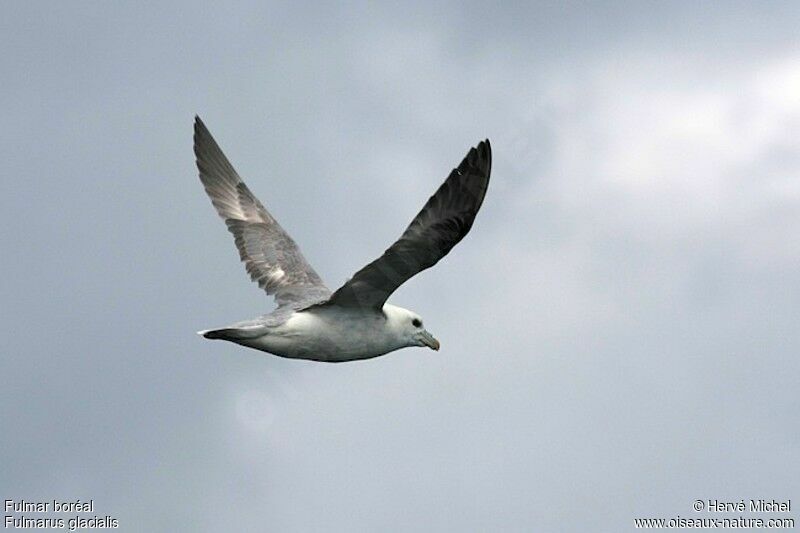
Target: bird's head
x=408 y=327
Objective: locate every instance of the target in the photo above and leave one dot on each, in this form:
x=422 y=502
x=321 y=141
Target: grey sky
x=619 y=331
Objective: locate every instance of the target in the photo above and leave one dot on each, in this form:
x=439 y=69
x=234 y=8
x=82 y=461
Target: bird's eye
x=416 y=322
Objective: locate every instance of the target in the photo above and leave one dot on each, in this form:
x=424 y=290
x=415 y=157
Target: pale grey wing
x=271 y=257
x=442 y=223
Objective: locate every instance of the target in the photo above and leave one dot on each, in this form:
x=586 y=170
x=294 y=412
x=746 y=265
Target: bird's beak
x=429 y=340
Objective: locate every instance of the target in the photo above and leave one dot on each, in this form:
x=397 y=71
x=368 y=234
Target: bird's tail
x=232 y=334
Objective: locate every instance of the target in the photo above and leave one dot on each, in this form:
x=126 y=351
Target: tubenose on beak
x=429 y=340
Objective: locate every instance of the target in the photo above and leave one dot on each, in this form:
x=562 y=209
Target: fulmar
x=354 y=322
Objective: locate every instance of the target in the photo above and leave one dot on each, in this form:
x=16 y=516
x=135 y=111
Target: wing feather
x=271 y=257
x=444 y=220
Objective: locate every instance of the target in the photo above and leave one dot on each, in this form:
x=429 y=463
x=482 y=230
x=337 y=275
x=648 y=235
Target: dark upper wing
x=271 y=257
x=442 y=223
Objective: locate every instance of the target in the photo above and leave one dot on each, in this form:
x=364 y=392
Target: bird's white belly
x=326 y=337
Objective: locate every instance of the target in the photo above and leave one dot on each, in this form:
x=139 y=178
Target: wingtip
x=483 y=148
x=201 y=138
x=480 y=156
x=487 y=148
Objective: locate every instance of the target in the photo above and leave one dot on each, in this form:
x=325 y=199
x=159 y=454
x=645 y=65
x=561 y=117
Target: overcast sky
x=619 y=330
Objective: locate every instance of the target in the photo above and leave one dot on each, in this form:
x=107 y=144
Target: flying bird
x=354 y=322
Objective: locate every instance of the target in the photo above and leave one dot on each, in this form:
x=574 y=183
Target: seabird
x=354 y=322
